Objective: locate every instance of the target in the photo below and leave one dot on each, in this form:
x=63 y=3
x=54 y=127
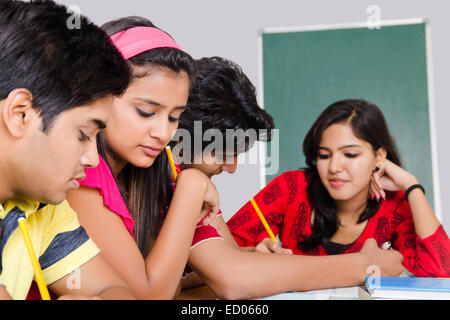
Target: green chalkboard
x=305 y=71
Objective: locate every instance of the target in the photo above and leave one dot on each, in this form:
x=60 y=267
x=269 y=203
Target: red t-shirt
x=284 y=204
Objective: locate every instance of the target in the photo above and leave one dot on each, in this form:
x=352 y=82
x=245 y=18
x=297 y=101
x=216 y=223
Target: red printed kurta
x=285 y=205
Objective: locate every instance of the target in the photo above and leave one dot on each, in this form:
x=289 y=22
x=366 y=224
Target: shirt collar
x=27 y=206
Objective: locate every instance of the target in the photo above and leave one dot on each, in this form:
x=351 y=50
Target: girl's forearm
x=167 y=259
x=425 y=221
x=254 y=274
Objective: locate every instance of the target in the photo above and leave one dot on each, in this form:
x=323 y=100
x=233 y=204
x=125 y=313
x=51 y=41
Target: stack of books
x=417 y=288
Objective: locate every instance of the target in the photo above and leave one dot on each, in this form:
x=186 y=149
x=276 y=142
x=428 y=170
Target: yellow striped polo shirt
x=60 y=243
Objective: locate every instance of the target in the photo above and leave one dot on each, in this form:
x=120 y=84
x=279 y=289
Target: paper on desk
x=350 y=293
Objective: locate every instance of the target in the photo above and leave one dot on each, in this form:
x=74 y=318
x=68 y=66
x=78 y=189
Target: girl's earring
x=379 y=165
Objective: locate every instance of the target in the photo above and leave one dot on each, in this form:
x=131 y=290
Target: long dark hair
x=147 y=191
x=368 y=124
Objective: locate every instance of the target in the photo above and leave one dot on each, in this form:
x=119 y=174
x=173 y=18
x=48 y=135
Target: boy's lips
x=74 y=183
x=82 y=177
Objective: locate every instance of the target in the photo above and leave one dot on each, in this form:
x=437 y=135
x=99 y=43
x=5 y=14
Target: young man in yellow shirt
x=56 y=87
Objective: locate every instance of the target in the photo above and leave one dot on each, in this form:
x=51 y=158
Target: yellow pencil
x=172 y=163
x=34 y=261
x=263 y=220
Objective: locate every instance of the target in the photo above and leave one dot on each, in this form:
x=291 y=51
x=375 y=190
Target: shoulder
x=291 y=177
x=289 y=185
x=294 y=176
x=293 y=180
x=58 y=217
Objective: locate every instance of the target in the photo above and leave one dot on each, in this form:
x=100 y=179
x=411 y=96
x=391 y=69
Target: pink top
x=102 y=179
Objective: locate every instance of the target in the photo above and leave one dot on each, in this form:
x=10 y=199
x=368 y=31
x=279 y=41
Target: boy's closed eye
x=84 y=136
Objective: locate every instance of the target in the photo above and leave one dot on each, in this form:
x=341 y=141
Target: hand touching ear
x=389 y=177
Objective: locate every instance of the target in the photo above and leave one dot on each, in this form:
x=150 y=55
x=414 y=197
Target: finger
x=370 y=243
x=375 y=190
x=203 y=213
x=376 y=180
x=208 y=220
x=372 y=190
x=286 y=251
x=214 y=211
x=274 y=247
x=380 y=175
x=261 y=247
x=378 y=186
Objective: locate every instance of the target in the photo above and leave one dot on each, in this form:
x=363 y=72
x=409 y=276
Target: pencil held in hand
x=34 y=261
x=263 y=220
x=172 y=163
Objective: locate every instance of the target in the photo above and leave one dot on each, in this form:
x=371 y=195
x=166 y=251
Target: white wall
x=229 y=29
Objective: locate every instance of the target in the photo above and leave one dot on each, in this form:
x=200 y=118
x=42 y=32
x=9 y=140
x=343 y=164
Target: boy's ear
x=17 y=111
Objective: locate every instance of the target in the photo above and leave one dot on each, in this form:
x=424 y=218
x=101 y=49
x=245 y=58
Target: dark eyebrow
x=98 y=123
x=343 y=147
x=148 y=101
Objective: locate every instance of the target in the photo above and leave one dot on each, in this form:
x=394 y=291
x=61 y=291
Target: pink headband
x=134 y=41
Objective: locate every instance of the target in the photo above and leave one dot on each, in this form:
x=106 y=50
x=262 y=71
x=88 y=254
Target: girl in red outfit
x=353 y=189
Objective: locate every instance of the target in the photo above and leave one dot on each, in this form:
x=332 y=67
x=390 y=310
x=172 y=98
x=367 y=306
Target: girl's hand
x=389 y=177
x=210 y=204
x=269 y=246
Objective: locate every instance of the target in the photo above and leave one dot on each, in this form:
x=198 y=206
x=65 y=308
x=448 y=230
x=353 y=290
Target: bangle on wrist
x=411 y=188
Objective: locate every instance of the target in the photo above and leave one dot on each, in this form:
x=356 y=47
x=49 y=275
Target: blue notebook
x=408 y=288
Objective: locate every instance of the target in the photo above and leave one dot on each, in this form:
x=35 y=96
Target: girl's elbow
x=231 y=288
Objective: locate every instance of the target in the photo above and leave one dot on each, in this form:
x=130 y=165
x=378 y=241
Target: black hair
x=368 y=124
x=147 y=191
x=62 y=67
x=223 y=98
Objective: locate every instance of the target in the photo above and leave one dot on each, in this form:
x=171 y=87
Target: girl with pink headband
x=142 y=225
